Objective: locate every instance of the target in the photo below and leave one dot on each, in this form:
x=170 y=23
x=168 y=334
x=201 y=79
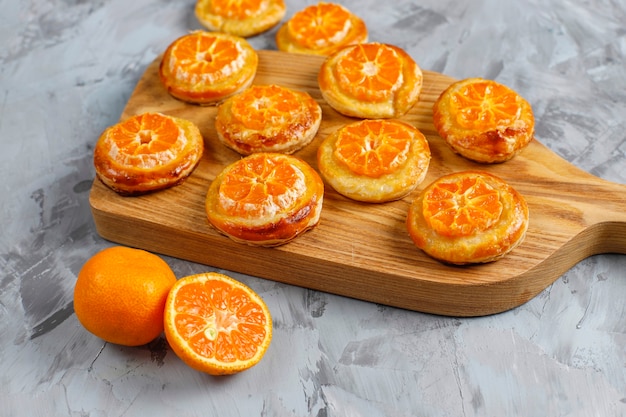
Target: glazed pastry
x=483 y=120
x=207 y=67
x=468 y=217
x=370 y=80
x=268 y=118
x=243 y=18
x=147 y=152
x=265 y=199
x=374 y=160
x=321 y=29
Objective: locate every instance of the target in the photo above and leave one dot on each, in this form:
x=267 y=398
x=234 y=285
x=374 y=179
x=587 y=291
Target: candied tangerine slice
x=370 y=72
x=238 y=9
x=483 y=104
x=321 y=25
x=259 y=186
x=271 y=104
x=373 y=147
x=463 y=207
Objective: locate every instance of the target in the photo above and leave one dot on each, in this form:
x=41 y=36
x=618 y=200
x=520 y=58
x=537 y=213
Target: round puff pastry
x=265 y=199
x=374 y=160
x=147 y=152
x=268 y=118
x=206 y=67
x=483 y=120
x=371 y=80
x=468 y=217
x=321 y=29
x=243 y=18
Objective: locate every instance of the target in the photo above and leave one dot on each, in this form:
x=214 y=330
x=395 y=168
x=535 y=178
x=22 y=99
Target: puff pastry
x=483 y=120
x=321 y=29
x=265 y=199
x=147 y=152
x=206 y=67
x=370 y=80
x=374 y=160
x=268 y=118
x=468 y=217
x=243 y=18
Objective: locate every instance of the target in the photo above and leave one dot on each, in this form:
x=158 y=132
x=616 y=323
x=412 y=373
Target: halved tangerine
x=217 y=324
x=240 y=17
x=483 y=120
x=321 y=29
x=206 y=67
x=147 y=152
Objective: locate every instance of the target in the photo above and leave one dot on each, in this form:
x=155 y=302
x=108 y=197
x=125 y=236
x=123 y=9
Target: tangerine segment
x=147 y=152
x=217 y=324
x=268 y=118
x=485 y=103
x=240 y=17
x=265 y=199
x=205 y=67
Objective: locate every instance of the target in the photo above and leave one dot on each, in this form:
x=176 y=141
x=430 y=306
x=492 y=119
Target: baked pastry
x=268 y=118
x=321 y=29
x=483 y=120
x=147 y=152
x=243 y=18
x=370 y=80
x=374 y=160
x=265 y=199
x=468 y=217
x=206 y=67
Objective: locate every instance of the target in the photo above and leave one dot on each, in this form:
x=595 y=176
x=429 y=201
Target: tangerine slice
x=370 y=80
x=268 y=118
x=374 y=160
x=483 y=120
x=265 y=199
x=243 y=18
x=468 y=217
x=217 y=324
x=204 y=67
x=147 y=152
x=321 y=29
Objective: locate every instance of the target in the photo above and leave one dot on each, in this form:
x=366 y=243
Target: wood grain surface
x=363 y=250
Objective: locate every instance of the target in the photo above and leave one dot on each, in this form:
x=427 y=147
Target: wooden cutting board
x=363 y=250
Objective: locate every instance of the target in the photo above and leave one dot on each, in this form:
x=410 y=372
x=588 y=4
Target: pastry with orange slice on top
x=268 y=118
x=483 y=120
x=243 y=18
x=370 y=80
x=468 y=217
x=265 y=199
x=374 y=160
x=147 y=152
x=321 y=29
x=206 y=67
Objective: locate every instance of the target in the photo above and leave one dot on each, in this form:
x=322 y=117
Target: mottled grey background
x=67 y=67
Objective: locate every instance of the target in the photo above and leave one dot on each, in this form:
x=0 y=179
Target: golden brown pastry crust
x=387 y=84
x=207 y=67
x=244 y=18
x=245 y=213
x=147 y=152
x=294 y=37
x=268 y=118
x=396 y=141
x=496 y=140
x=499 y=219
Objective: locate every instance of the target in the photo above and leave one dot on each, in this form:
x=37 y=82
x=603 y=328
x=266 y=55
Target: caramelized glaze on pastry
x=207 y=67
x=268 y=118
x=243 y=18
x=265 y=199
x=468 y=217
x=147 y=152
x=374 y=160
x=371 y=80
x=321 y=29
x=483 y=120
